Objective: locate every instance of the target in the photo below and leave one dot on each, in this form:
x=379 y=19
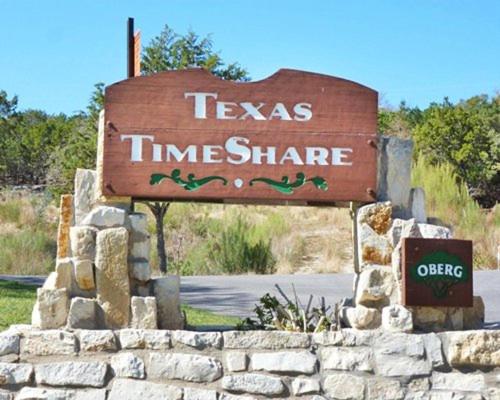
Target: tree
x=171 y=51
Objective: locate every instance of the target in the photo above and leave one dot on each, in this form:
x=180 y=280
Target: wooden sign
x=293 y=137
x=437 y=272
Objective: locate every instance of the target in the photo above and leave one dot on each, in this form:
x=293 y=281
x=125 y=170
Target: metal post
x=130 y=48
x=353 y=211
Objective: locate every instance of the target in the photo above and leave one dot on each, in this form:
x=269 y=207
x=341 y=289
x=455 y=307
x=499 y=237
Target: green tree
x=171 y=51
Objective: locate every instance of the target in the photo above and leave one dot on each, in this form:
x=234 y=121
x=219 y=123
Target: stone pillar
x=166 y=291
x=85 y=189
x=65 y=223
x=112 y=282
x=394 y=173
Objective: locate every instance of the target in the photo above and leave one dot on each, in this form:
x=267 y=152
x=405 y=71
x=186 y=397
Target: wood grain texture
x=344 y=115
x=421 y=294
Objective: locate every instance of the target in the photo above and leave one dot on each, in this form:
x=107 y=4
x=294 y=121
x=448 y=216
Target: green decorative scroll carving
x=191 y=184
x=440 y=271
x=287 y=187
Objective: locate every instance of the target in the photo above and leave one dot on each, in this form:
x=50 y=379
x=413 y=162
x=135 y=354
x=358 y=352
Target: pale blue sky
x=52 y=52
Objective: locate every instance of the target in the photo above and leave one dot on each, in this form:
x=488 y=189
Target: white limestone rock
x=397 y=318
x=15 y=374
x=361 y=317
x=140 y=270
x=144 y=313
x=375 y=286
x=188 y=367
x=273 y=340
x=417 y=205
x=344 y=386
x=253 y=383
x=387 y=389
x=131 y=389
x=197 y=340
x=199 y=394
x=112 y=281
x=82 y=313
x=9 y=343
x=90 y=394
x=473 y=382
x=140 y=249
x=127 y=365
x=105 y=217
x=434 y=231
x=82 y=240
x=64 y=274
x=236 y=361
x=166 y=290
x=473 y=317
x=472 y=348
x=285 y=361
x=347 y=359
x=51 y=308
x=302 y=386
x=97 y=340
x=5 y=395
x=85 y=193
x=377 y=216
x=84 y=274
x=144 y=339
x=372 y=247
x=30 y=393
x=433 y=350
x=72 y=373
x=48 y=343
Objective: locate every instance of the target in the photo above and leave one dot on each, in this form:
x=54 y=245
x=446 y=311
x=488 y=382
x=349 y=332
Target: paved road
x=237 y=295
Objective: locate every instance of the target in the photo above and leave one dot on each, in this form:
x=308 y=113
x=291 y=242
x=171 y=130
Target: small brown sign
x=293 y=137
x=437 y=272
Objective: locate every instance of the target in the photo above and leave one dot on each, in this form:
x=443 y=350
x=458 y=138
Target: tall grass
x=448 y=200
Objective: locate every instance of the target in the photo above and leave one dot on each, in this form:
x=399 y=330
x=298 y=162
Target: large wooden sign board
x=437 y=272
x=293 y=137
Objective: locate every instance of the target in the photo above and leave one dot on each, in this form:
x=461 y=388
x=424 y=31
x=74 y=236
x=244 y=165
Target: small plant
x=292 y=315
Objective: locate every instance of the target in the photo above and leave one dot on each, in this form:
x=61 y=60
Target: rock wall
x=133 y=364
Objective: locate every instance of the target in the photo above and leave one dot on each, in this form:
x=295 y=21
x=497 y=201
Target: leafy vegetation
x=17 y=300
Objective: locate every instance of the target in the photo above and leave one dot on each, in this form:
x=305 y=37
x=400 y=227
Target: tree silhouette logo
x=440 y=271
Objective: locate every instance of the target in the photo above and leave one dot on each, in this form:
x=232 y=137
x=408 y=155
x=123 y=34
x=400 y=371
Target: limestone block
x=65 y=222
x=472 y=382
x=48 y=343
x=473 y=317
x=30 y=393
x=328 y=338
x=198 y=340
x=472 y=348
x=82 y=314
x=15 y=374
x=64 y=274
x=187 y=367
x=361 y=317
x=140 y=270
x=285 y=361
x=9 y=343
x=199 y=394
x=144 y=313
x=227 y=396
x=417 y=205
x=96 y=340
x=144 y=339
x=127 y=365
x=90 y=394
x=434 y=231
x=429 y=319
x=131 y=389
x=419 y=385
x=139 y=226
x=394 y=233
x=236 y=361
x=140 y=250
x=253 y=383
x=5 y=395
x=372 y=247
x=397 y=318
x=273 y=340
x=302 y=386
x=51 y=308
x=72 y=373
x=454 y=318
x=105 y=217
x=387 y=389
x=375 y=286
x=403 y=229
x=347 y=359
x=112 y=282
x=378 y=216
x=83 y=242
x=84 y=274
x=397 y=265
x=394 y=172
x=344 y=386
x=433 y=350
x=166 y=290
x=85 y=193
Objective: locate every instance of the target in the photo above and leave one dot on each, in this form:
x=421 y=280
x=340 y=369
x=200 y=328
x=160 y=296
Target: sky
x=53 y=52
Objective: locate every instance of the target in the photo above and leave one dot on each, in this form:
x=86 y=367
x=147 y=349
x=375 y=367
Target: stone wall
x=133 y=364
